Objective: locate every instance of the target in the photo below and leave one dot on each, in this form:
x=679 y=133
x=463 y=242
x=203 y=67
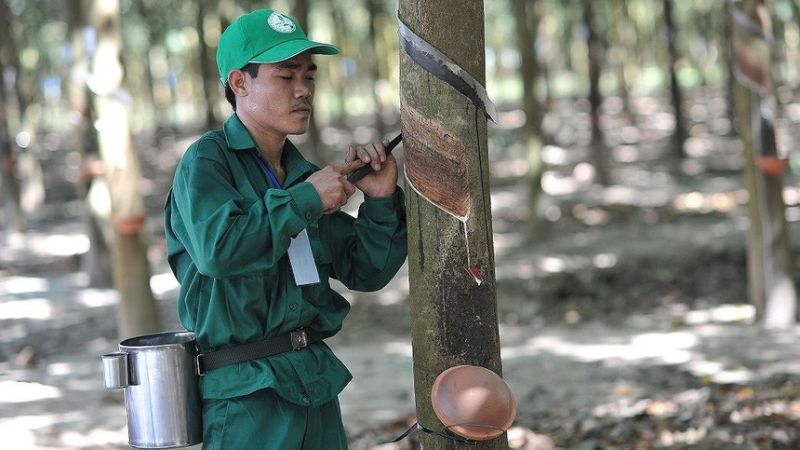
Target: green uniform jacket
x=228 y=230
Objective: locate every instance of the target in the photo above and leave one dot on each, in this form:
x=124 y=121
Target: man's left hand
x=382 y=180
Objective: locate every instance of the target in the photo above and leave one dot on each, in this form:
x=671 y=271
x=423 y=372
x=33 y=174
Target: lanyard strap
x=265 y=168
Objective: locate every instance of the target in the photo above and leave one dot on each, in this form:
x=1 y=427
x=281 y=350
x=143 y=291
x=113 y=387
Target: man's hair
x=252 y=70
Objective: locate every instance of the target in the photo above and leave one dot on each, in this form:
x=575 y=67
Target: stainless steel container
x=162 y=399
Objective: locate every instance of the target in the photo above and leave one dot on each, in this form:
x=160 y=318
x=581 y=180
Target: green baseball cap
x=263 y=36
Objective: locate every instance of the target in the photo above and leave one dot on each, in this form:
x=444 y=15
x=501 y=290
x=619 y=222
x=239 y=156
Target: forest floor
x=624 y=326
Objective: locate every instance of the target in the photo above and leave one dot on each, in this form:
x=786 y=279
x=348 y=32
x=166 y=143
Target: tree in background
x=595 y=55
x=680 y=135
x=374 y=8
x=156 y=30
x=527 y=15
x=622 y=38
x=130 y=267
x=15 y=216
x=208 y=67
x=451 y=258
x=769 y=266
x=96 y=263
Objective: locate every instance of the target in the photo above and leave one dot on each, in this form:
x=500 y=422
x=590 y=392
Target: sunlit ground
x=61 y=404
x=58 y=402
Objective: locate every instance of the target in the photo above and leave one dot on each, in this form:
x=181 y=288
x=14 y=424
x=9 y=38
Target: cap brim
x=293 y=48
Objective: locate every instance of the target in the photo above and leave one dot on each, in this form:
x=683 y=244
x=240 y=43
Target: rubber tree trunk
x=374 y=8
x=527 y=19
x=770 y=281
x=155 y=39
x=726 y=56
x=595 y=50
x=11 y=53
x=338 y=77
x=622 y=35
x=453 y=318
x=130 y=267
x=679 y=138
x=97 y=261
x=208 y=68
x=15 y=216
x=792 y=49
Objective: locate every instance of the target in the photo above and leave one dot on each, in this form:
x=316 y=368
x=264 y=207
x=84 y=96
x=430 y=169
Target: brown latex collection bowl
x=473 y=402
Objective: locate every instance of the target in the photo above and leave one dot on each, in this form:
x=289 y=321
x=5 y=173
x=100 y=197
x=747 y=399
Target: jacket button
x=292 y=306
x=305 y=400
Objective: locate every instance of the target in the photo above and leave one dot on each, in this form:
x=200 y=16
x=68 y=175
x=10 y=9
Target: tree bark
x=97 y=261
x=770 y=280
x=679 y=138
x=620 y=35
x=15 y=216
x=373 y=9
x=726 y=54
x=338 y=78
x=595 y=49
x=454 y=318
x=208 y=68
x=527 y=28
x=155 y=37
x=11 y=51
x=130 y=267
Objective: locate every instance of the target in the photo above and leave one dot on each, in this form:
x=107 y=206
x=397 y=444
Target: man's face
x=279 y=99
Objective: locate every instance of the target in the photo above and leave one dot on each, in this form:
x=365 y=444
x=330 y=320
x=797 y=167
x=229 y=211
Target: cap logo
x=281 y=23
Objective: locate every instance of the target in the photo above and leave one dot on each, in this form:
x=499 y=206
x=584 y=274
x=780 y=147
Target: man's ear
x=238 y=83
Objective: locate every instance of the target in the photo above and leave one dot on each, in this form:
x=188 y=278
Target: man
x=254 y=232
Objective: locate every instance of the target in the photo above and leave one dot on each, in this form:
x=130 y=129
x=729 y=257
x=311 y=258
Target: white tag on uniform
x=302 y=260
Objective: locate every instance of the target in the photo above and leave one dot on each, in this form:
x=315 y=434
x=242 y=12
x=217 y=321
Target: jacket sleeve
x=368 y=251
x=225 y=233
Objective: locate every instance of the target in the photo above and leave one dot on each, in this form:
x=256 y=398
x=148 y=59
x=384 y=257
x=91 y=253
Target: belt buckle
x=198 y=365
x=299 y=339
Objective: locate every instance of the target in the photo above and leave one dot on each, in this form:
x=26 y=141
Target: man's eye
x=285 y=77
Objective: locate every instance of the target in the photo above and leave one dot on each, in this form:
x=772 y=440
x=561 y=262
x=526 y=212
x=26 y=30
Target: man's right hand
x=332 y=187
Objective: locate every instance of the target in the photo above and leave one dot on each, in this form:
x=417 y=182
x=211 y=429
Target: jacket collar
x=236 y=134
x=238 y=138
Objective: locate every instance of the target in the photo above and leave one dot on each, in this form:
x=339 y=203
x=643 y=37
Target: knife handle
x=363 y=171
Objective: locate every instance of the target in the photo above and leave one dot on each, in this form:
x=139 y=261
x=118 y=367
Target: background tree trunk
x=595 y=50
x=155 y=38
x=623 y=38
x=679 y=138
x=527 y=20
x=15 y=216
x=208 y=68
x=768 y=261
x=130 y=267
x=373 y=9
x=338 y=78
x=10 y=55
x=454 y=318
x=727 y=60
x=97 y=262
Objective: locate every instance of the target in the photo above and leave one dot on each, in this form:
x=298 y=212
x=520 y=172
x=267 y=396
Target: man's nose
x=303 y=89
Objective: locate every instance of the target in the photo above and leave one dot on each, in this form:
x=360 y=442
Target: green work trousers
x=265 y=421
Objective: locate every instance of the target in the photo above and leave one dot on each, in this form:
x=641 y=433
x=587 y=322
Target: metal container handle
x=116 y=372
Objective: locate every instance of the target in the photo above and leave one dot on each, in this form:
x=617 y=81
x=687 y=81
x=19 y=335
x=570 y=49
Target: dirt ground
x=625 y=327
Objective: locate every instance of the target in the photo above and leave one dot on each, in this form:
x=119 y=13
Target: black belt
x=296 y=340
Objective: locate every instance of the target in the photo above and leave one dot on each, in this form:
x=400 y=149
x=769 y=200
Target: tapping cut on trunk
x=435 y=162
